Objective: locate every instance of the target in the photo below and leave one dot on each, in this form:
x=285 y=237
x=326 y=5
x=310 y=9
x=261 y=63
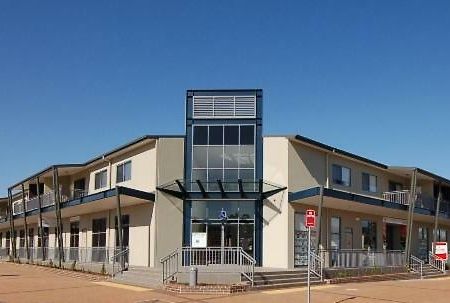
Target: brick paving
x=27 y=283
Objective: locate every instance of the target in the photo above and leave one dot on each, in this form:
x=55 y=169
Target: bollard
x=193 y=274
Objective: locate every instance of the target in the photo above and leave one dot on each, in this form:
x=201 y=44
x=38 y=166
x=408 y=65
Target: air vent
x=224 y=107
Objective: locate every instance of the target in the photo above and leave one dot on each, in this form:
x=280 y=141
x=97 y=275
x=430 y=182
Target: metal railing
x=353 y=258
x=316 y=265
x=4 y=253
x=436 y=262
x=121 y=260
x=233 y=258
x=400 y=196
x=170 y=265
x=416 y=265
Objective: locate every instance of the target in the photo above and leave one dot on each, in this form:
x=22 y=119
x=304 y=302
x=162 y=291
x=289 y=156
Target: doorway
x=395 y=237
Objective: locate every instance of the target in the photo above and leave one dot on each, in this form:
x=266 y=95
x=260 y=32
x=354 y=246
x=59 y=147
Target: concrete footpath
x=26 y=283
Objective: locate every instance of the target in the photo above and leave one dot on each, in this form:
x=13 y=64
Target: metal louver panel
x=224 y=107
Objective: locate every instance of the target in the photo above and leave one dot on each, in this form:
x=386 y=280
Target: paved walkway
x=26 y=283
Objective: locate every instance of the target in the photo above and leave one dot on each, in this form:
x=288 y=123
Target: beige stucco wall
x=277 y=213
x=167 y=222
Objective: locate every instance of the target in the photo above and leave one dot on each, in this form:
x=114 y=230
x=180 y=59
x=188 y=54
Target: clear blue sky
x=78 y=78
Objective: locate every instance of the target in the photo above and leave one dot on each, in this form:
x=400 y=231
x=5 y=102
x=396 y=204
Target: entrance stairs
x=140 y=276
x=429 y=272
x=283 y=279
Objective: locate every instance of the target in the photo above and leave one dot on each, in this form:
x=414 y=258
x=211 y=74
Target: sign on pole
x=441 y=250
x=310 y=222
x=310 y=218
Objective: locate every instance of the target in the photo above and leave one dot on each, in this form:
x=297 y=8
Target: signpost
x=441 y=250
x=310 y=222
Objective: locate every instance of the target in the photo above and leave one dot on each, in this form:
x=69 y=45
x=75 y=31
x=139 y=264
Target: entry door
x=222 y=235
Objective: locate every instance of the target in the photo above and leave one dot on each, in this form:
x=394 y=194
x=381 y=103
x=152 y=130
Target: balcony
x=47 y=199
x=400 y=196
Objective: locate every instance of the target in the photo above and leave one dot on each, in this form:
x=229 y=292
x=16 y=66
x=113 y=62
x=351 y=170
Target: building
x=225 y=186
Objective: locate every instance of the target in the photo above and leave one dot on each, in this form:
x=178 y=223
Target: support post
x=319 y=221
x=58 y=216
x=40 y=229
x=12 y=238
x=119 y=228
x=436 y=217
x=412 y=204
x=309 y=266
x=25 y=221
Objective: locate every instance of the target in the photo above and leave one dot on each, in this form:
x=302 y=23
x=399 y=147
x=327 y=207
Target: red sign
x=440 y=250
x=310 y=218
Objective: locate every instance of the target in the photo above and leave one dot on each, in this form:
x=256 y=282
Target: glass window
x=200 y=157
x=335 y=233
x=230 y=178
x=213 y=176
x=247 y=135
x=247 y=174
x=198 y=210
x=199 y=174
x=215 y=157
x=231 y=135
x=100 y=179
x=247 y=156
x=31 y=237
x=369 y=234
x=200 y=135
x=369 y=182
x=74 y=234
x=341 y=175
x=231 y=157
x=216 y=135
x=123 y=172
x=125 y=230
x=246 y=210
x=99 y=232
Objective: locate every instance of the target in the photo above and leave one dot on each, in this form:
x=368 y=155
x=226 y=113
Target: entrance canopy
x=238 y=189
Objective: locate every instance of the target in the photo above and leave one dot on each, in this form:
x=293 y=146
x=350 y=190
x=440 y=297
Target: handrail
x=316 y=265
x=436 y=262
x=122 y=264
x=235 y=258
x=416 y=265
x=170 y=265
x=247 y=263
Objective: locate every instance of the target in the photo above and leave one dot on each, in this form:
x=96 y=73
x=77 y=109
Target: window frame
x=341 y=181
x=369 y=189
x=123 y=167
x=101 y=172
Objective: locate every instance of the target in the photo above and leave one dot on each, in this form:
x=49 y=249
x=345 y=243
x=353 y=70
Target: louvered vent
x=224 y=107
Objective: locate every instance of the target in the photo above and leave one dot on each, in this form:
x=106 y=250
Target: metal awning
x=238 y=189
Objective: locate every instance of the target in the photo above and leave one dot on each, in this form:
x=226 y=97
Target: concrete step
x=284 y=285
x=284 y=281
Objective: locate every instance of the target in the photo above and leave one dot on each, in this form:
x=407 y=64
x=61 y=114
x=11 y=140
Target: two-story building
x=223 y=186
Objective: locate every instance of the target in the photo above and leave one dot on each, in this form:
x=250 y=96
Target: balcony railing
x=400 y=196
x=47 y=199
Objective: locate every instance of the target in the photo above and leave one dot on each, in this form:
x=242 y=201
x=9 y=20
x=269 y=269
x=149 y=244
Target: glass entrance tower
x=223 y=169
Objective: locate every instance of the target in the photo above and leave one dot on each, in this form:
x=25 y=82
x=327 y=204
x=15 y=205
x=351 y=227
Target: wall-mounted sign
x=198 y=240
x=441 y=250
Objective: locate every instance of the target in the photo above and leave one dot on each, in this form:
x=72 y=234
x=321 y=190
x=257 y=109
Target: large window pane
x=231 y=157
x=200 y=135
x=215 y=157
x=198 y=211
x=247 y=156
x=369 y=234
x=199 y=157
x=247 y=174
x=230 y=178
x=247 y=135
x=216 y=135
x=246 y=210
x=213 y=176
x=231 y=135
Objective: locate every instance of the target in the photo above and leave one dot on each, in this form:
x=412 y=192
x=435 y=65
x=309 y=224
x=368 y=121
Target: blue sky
x=78 y=78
